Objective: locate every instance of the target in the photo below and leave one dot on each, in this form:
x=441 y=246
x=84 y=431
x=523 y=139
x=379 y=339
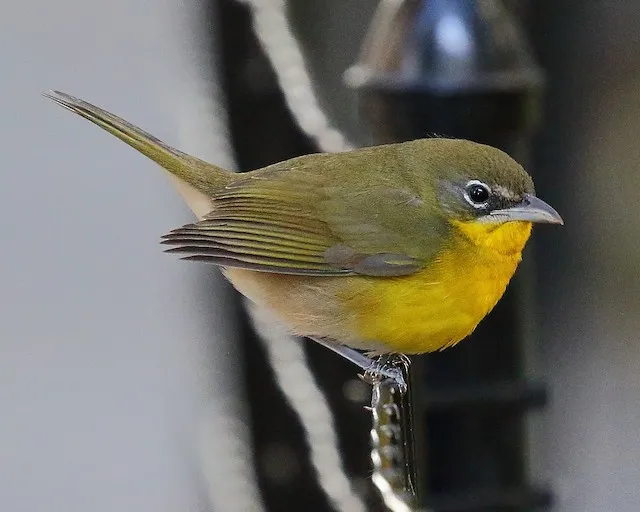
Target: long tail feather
x=205 y=177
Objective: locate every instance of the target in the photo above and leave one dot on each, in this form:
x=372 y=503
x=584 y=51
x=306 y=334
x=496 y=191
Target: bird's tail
x=203 y=176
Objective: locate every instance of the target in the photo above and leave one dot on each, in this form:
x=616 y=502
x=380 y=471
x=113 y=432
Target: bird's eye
x=477 y=193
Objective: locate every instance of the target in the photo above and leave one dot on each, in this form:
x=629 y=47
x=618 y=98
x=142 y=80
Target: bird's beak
x=530 y=209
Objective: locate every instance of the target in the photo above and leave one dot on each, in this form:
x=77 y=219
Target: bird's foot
x=376 y=369
x=388 y=366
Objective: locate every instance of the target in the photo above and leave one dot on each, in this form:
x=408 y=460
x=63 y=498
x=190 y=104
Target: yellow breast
x=443 y=303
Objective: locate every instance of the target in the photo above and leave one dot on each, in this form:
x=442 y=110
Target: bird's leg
x=386 y=366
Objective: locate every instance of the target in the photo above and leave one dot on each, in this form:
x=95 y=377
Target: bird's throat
x=507 y=239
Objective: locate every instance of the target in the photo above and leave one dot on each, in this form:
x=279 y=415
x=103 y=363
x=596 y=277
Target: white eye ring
x=479 y=184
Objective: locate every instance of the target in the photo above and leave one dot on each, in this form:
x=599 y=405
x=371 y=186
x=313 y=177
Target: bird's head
x=482 y=191
x=483 y=184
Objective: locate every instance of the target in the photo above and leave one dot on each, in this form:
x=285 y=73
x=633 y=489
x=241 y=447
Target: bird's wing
x=296 y=221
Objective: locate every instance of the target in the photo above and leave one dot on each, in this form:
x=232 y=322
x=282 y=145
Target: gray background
x=105 y=363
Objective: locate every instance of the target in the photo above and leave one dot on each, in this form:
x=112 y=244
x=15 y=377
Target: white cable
x=226 y=453
x=284 y=351
x=301 y=391
x=224 y=437
x=283 y=51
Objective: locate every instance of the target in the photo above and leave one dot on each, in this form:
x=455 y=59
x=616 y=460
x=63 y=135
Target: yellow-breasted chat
x=401 y=248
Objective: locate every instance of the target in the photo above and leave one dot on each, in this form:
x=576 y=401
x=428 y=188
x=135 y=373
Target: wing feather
x=291 y=219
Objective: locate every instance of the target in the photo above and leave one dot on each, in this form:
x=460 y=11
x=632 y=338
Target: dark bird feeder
x=464 y=69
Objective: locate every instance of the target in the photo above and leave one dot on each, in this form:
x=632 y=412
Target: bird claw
x=391 y=367
x=387 y=368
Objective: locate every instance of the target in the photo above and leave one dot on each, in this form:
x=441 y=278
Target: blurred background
x=131 y=381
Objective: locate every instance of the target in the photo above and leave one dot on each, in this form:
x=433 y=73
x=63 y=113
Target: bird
x=393 y=249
